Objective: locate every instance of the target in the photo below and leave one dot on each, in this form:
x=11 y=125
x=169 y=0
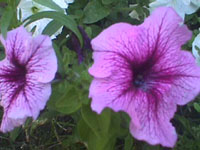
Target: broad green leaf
x=197 y=107
x=98 y=123
x=101 y=130
x=107 y=2
x=50 y=4
x=52 y=27
x=69 y=102
x=94 y=11
x=94 y=142
x=6 y=20
x=63 y=19
x=83 y=130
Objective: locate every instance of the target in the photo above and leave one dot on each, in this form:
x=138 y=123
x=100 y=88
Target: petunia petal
x=21 y=102
x=25 y=75
x=150 y=116
x=106 y=93
x=37 y=53
x=164 y=31
x=143 y=71
x=18 y=45
x=186 y=83
x=110 y=47
x=154 y=118
x=42 y=64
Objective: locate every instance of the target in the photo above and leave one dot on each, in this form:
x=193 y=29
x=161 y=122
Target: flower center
x=138 y=81
x=20 y=73
x=34 y=9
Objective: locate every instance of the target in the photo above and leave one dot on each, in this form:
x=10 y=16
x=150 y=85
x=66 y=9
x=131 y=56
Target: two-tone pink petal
x=143 y=71
x=25 y=75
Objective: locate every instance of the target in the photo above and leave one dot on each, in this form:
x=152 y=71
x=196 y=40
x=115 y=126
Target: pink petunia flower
x=143 y=71
x=25 y=75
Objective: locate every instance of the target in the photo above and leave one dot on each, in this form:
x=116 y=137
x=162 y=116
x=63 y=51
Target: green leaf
x=50 y=4
x=6 y=20
x=69 y=141
x=63 y=19
x=98 y=123
x=95 y=11
x=106 y=142
x=61 y=69
x=52 y=27
x=69 y=102
x=58 y=90
x=196 y=107
x=83 y=130
x=99 y=131
x=107 y=2
x=185 y=122
x=88 y=30
x=15 y=133
x=128 y=143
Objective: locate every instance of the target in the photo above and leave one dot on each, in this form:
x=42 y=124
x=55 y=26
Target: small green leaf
x=6 y=20
x=63 y=19
x=50 y=4
x=196 y=107
x=95 y=11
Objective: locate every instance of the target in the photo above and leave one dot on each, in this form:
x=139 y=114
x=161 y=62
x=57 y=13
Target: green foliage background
x=68 y=123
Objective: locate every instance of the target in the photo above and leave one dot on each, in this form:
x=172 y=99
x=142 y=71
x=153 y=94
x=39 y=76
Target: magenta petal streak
x=25 y=75
x=143 y=71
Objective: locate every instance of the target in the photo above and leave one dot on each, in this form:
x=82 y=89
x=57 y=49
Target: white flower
x=182 y=7
x=69 y=1
x=30 y=7
x=196 y=48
